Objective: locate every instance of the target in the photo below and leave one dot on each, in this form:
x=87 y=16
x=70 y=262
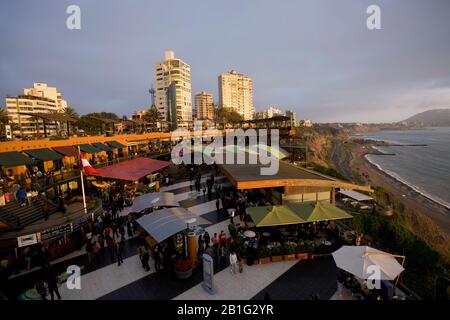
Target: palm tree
x=70 y=112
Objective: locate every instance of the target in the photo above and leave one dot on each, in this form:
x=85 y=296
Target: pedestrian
x=95 y=251
x=111 y=246
x=216 y=242
x=222 y=257
x=122 y=231
x=53 y=281
x=207 y=238
x=145 y=260
x=218 y=205
x=119 y=250
x=89 y=251
x=157 y=258
x=204 y=191
x=222 y=237
x=45 y=255
x=114 y=228
x=130 y=229
x=233 y=262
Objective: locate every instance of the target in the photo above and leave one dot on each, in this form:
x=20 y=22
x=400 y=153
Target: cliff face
x=320 y=143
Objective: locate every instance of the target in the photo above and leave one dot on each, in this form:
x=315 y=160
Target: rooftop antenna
x=152 y=94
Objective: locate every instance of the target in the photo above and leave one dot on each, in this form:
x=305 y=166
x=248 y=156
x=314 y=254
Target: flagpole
x=82 y=181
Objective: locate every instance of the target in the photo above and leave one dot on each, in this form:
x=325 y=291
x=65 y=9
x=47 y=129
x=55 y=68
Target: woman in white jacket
x=233 y=262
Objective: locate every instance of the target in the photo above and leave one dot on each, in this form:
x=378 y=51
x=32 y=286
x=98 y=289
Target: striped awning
x=44 y=154
x=87 y=148
x=68 y=151
x=14 y=159
x=102 y=146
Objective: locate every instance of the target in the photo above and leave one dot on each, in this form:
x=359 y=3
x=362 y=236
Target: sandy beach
x=412 y=200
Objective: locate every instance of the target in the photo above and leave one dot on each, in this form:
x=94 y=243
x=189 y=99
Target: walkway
x=287 y=279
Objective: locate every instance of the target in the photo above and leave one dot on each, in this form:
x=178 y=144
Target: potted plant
x=183 y=269
x=276 y=253
x=300 y=251
x=263 y=254
x=289 y=250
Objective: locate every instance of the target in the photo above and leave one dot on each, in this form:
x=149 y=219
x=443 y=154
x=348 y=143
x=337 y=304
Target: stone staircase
x=17 y=216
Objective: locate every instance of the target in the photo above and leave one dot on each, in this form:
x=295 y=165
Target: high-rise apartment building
x=38 y=99
x=204 y=107
x=236 y=93
x=174 y=71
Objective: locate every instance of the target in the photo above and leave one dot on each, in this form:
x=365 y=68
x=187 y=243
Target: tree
x=152 y=116
x=70 y=112
x=228 y=116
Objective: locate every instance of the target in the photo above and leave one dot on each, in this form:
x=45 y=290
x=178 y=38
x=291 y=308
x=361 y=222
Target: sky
x=315 y=57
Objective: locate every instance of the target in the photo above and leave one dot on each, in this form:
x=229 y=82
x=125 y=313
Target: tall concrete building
x=174 y=71
x=236 y=93
x=38 y=99
x=204 y=107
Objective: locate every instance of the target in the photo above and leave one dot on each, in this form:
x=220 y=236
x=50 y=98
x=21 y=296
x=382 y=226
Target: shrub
x=276 y=251
x=289 y=248
x=263 y=252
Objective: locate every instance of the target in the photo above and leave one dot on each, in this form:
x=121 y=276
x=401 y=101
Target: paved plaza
x=108 y=281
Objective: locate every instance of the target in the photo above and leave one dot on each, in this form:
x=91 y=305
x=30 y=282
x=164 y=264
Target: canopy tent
x=132 y=170
x=162 y=224
x=87 y=148
x=154 y=199
x=296 y=213
x=319 y=211
x=115 y=144
x=273 y=216
x=68 y=151
x=44 y=154
x=357 y=259
x=355 y=195
x=102 y=146
x=14 y=159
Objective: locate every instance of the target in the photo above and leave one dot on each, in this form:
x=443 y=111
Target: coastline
x=413 y=200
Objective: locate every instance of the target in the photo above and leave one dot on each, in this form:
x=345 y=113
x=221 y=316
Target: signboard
x=28 y=240
x=208 y=274
x=56 y=231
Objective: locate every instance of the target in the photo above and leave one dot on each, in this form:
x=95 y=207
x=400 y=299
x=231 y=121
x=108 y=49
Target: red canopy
x=132 y=170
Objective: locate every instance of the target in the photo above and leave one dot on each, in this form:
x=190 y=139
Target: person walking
x=215 y=242
x=233 y=262
x=222 y=257
x=119 y=250
x=157 y=258
x=145 y=260
x=207 y=238
x=89 y=251
x=111 y=246
x=53 y=281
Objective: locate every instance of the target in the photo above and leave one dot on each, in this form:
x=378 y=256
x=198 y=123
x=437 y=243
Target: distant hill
x=431 y=118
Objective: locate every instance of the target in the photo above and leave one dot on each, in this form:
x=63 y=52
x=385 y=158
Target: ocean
x=426 y=169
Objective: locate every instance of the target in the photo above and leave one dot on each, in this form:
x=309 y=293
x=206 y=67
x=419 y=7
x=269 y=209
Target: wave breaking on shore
x=410 y=185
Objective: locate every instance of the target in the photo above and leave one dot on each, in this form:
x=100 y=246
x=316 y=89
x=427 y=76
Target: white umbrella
x=357 y=259
x=250 y=234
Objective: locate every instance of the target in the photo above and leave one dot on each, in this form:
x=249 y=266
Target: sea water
x=424 y=168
